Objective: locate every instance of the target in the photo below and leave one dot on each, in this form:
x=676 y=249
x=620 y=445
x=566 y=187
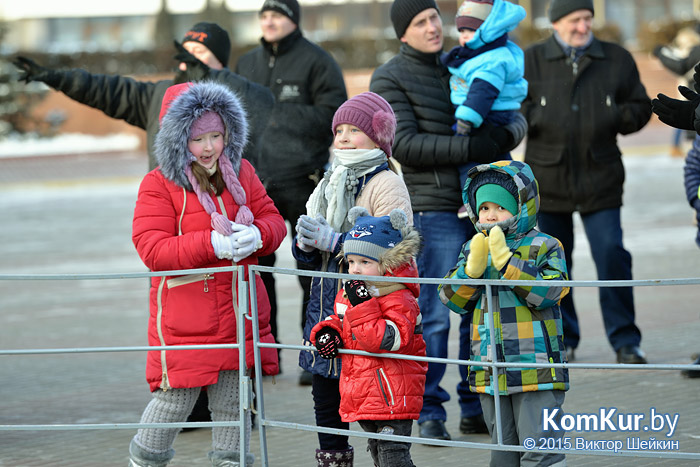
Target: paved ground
x=73 y=215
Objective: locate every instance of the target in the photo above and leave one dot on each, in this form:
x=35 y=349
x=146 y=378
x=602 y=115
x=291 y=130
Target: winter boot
x=139 y=457
x=229 y=458
x=343 y=458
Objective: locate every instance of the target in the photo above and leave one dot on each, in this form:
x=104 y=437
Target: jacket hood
x=182 y=106
x=503 y=18
x=528 y=195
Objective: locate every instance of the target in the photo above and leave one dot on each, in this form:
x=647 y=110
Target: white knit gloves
x=243 y=242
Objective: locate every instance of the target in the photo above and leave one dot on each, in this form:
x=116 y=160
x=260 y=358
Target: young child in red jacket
x=384 y=395
x=203 y=207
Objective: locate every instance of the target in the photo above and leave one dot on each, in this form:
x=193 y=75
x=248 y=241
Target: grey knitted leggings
x=175 y=405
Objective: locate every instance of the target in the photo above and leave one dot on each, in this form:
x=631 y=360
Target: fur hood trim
x=182 y=111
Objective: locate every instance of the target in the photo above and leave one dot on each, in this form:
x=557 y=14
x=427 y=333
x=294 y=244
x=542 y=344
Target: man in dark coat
x=416 y=84
x=203 y=55
x=308 y=87
x=582 y=93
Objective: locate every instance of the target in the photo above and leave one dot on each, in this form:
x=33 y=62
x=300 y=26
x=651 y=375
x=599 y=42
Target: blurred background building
x=134 y=37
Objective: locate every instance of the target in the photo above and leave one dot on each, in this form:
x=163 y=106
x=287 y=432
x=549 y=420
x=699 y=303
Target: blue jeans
x=443 y=236
x=604 y=232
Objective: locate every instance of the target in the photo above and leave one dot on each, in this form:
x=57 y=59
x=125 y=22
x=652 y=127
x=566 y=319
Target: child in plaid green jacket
x=502 y=201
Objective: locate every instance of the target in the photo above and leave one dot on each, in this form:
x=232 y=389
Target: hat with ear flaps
x=188 y=108
x=389 y=240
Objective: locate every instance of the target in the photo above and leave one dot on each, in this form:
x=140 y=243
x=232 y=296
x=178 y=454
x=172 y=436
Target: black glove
x=503 y=138
x=328 y=342
x=483 y=149
x=357 y=292
x=31 y=71
x=196 y=69
x=675 y=112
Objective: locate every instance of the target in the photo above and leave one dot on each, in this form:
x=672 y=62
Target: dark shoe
x=570 y=354
x=630 y=354
x=692 y=373
x=476 y=424
x=433 y=429
x=305 y=378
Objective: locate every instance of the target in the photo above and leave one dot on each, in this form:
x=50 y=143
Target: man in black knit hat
x=416 y=84
x=203 y=54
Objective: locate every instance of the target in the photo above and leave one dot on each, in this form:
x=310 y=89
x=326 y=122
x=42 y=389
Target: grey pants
x=174 y=405
x=521 y=418
x=389 y=453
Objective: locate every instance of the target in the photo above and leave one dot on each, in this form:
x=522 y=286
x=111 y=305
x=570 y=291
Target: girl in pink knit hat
x=203 y=207
x=362 y=174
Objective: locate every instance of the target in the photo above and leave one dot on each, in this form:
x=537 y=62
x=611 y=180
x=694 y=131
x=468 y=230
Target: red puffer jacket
x=381 y=388
x=171 y=230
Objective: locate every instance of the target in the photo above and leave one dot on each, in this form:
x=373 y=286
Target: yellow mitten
x=500 y=253
x=478 y=256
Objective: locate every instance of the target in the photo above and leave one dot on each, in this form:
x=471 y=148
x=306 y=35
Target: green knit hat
x=496 y=194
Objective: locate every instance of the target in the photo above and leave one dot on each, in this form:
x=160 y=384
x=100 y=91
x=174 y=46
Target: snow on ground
x=66 y=143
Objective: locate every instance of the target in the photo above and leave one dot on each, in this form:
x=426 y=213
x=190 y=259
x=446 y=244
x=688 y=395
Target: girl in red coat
x=384 y=395
x=203 y=207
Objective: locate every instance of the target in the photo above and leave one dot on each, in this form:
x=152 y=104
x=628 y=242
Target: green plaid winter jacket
x=528 y=326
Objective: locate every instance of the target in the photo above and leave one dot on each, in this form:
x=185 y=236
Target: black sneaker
x=631 y=354
x=476 y=424
x=434 y=429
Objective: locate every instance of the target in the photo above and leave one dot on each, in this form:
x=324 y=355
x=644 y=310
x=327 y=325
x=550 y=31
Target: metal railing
x=248 y=297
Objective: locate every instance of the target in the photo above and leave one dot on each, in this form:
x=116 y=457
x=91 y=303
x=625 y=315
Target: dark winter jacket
x=527 y=319
x=171 y=231
x=574 y=121
x=416 y=85
x=138 y=102
x=691 y=176
x=308 y=87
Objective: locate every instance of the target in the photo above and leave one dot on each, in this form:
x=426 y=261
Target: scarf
x=458 y=55
x=335 y=193
x=219 y=222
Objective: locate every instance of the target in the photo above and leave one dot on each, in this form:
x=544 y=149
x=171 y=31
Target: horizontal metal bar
x=471 y=445
x=452 y=361
x=140 y=348
x=116 y=426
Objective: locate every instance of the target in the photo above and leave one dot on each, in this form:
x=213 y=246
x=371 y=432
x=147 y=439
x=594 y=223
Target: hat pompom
x=384 y=125
x=356 y=212
x=398 y=219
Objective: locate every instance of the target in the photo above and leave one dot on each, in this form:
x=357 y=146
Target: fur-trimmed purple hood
x=185 y=104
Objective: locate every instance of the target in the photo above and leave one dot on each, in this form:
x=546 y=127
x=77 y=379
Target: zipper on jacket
x=548 y=346
x=164 y=384
x=189 y=279
x=384 y=382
